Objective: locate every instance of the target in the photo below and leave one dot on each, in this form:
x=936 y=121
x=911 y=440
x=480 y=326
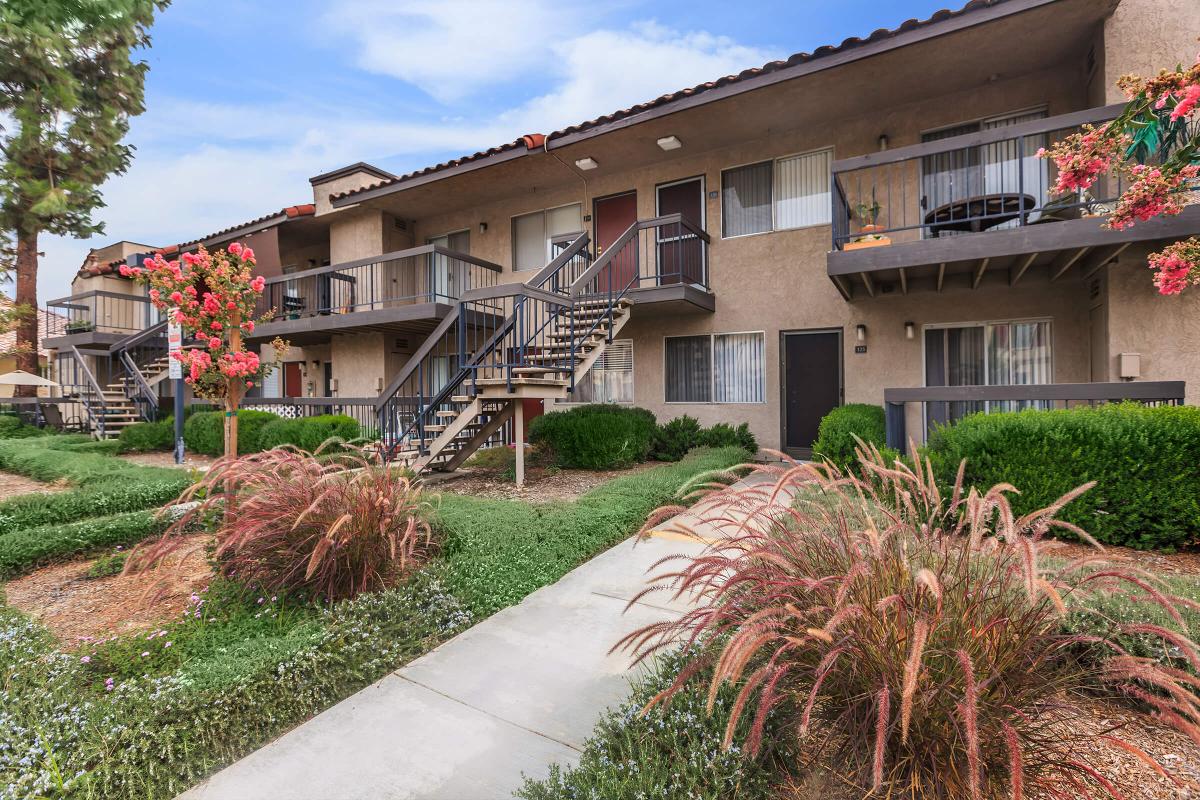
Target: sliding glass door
x=986 y=354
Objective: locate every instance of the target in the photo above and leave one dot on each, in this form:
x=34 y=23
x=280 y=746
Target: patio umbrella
x=22 y=378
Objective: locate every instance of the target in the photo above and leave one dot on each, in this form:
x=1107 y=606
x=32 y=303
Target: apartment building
x=864 y=223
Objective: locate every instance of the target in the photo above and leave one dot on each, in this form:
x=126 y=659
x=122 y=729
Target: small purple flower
x=145 y=653
x=85 y=660
x=260 y=600
x=108 y=685
x=166 y=645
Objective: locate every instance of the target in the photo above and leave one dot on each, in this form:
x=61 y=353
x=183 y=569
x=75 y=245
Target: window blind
x=746 y=199
x=689 y=369
x=802 y=190
x=738 y=368
x=529 y=241
x=610 y=379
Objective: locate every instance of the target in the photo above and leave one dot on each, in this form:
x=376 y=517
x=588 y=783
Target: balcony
x=96 y=318
x=403 y=291
x=976 y=209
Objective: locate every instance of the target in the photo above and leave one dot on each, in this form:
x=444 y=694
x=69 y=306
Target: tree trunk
x=27 y=327
x=233 y=393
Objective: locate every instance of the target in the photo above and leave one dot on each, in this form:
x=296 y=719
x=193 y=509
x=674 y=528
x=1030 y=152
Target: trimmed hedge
x=1145 y=461
x=104 y=484
x=308 y=433
x=23 y=550
x=498 y=551
x=204 y=431
x=835 y=436
x=144 y=437
x=597 y=436
x=672 y=440
x=11 y=427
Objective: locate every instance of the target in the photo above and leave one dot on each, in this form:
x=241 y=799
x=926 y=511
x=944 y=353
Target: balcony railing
x=988 y=180
x=98 y=311
x=941 y=404
x=427 y=274
x=662 y=251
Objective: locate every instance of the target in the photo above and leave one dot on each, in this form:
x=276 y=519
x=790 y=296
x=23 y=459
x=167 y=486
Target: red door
x=679 y=252
x=291 y=379
x=613 y=216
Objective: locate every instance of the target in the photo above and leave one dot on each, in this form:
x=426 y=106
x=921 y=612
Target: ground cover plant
x=497 y=551
x=920 y=635
x=103 y=488
x=1145 y=462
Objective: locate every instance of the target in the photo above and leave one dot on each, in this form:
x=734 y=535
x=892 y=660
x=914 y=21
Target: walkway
x=512 y=695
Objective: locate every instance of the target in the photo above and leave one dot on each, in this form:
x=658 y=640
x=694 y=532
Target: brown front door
x=812 y=385
x=680 y=255
x=613 y=215
x=291 y=379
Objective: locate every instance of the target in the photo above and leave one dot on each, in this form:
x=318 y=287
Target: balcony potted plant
x=80 y=326
x=870 y=230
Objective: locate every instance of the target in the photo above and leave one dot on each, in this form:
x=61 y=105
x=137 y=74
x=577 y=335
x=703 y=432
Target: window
x=721 y=368
x=531 y=234
x=988 y=354
x=610 y=378
x=790 y=192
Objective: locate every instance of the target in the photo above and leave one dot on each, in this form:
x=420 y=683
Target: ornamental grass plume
x=327 y=525
x=915 y=637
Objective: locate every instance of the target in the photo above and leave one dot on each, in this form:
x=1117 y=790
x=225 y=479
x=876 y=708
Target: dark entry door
x=680 y=255
x=613 y=216
x=812 y=385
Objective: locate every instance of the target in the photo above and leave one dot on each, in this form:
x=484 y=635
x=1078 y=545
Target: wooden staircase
x=470 y=420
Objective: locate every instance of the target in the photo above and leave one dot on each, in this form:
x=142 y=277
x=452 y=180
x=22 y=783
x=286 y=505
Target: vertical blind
x=724 y=368
x=746 y=199
x=531 y=233
x=610 y=379
x=802 y=190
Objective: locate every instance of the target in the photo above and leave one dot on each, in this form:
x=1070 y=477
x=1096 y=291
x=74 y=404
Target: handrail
x=131 y=368
x=140 y=298
x=630 y=234
x=967 y=140
x=396 y=255
x=1123 y=390
x=545 y=273
x=87 y=371
x=134 y=339
x=513 y=290
x=410 y=366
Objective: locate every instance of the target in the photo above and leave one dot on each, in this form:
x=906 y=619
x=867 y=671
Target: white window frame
x=512 y=243
x=712 y=373
x=632 y=381
x=774 y=198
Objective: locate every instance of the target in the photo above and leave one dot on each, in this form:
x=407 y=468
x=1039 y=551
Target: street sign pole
x=175 y=372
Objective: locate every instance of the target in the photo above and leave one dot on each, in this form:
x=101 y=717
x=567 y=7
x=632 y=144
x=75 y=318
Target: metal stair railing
x=130 y=356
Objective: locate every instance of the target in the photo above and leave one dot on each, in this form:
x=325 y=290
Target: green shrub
x=25 y=549
x=307 y=433
x=204 y=431
x=674 y=752
x=1145 y=462
x=672 y=440
x=12 y=428
x=494 y=459
x=498 y=551
x=144 y=437
x=835 y=437
x=595 y=436
x=724 y=435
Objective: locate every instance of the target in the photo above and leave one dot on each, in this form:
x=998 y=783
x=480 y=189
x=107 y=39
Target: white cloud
x=203 y=165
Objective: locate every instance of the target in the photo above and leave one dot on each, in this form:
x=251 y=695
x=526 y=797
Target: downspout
x=577 y=173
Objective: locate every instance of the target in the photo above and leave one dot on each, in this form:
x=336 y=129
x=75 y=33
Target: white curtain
x=1004 y=167
x=738 y=368
x=802 y=190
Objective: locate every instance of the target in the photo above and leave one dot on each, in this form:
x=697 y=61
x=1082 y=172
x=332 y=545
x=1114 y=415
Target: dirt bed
x=541 y=485
x=12 y=485
x=191 y=460
x=75 y=607
x=1184 y=563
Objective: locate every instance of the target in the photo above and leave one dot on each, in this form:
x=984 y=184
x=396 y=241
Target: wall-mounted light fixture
x=910 y=330
x=483 y=227
x=860 y=332
x=670 y=143
x=883 y=141
x=586 y=163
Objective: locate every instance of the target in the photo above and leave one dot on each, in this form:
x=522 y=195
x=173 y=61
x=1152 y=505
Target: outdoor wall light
x=860 y=332
x=883 y=141
x=587 y=163
x=483 y=227
x=910 y=330
x=670 y=143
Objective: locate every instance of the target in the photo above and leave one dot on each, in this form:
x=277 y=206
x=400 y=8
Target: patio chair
x=53 y=417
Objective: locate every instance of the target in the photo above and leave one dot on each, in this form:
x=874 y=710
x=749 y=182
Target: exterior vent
x=1094 y=289
x=400 y=346
x=401 y=224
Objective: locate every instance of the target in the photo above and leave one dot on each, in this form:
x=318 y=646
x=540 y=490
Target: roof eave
x=420 y=180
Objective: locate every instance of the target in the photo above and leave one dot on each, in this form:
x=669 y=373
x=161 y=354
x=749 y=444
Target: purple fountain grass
x=919 y=630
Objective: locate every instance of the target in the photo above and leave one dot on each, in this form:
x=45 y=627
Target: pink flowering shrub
x=1160 y=131
x=917 y=638
x=213 y=297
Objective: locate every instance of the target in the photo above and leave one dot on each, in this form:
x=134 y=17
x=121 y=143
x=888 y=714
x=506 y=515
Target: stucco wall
x=1144 y=36
x=359 y=362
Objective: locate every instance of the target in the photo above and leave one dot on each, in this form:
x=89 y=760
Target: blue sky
x=246 y=101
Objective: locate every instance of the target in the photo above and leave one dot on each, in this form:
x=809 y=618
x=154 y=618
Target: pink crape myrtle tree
x=213 y=297
x=1155 y=142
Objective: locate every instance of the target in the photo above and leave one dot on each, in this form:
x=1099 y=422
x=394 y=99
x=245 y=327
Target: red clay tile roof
x=50 y=323
x=536 y=141
x=283 y=215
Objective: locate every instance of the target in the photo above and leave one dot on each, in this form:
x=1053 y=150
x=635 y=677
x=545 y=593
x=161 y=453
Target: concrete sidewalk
x=515 y=693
